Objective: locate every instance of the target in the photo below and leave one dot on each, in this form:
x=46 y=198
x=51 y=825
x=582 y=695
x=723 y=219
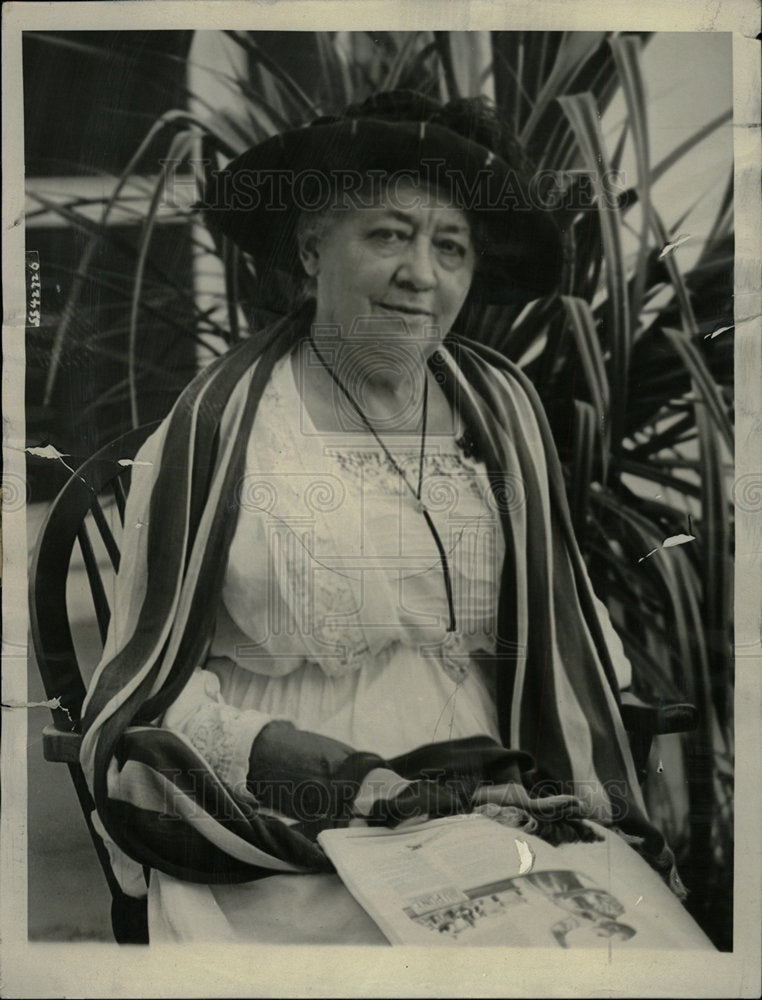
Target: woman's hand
x=514 y=794
x=387 y=799
x=307 y=776
x=380 y=784
x=557 y=819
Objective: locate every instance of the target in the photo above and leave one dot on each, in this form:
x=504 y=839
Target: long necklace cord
x=400 y=472
x=445 y=569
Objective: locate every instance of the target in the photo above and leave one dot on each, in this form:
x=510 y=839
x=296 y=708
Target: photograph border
x=104 y=970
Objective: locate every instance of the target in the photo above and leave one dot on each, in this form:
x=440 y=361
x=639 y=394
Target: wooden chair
x=76 y=512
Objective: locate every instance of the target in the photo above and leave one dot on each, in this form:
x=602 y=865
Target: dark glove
x=464 y=765
x=420 y=800
x=311 y=778
x=445 y=776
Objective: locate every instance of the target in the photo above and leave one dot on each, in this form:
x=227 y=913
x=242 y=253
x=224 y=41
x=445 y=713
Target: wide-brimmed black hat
x=257 y=199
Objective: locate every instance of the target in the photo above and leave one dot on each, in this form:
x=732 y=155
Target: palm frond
x=582 y=114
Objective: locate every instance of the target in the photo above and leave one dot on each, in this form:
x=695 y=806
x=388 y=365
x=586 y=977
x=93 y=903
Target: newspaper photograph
x=381 y=498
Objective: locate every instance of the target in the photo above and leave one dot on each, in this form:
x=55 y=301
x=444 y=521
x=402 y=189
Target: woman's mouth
x=406 y=310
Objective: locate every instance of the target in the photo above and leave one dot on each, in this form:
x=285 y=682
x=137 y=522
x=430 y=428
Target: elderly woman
x=350 y=590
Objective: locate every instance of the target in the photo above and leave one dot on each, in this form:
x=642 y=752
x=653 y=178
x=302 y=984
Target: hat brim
x=257 y=199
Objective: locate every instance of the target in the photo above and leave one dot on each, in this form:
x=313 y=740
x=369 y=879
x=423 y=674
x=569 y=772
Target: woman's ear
x=308 y=254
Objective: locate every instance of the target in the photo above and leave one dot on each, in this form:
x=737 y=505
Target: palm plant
x=636 y=385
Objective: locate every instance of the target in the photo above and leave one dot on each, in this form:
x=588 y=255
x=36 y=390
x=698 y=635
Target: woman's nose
x=417 y=266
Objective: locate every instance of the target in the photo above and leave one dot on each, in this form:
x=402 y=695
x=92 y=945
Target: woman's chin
x=400 y=325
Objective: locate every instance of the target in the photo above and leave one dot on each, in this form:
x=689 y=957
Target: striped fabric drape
x=157 y=797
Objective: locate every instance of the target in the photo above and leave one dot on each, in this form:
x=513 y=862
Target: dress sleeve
x=270 y=761
x=222 y=734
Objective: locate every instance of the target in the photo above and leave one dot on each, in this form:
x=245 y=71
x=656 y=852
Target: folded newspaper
x=469 y=880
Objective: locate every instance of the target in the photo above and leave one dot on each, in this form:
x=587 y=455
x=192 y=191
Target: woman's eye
x=451 y=248
x=388 y=236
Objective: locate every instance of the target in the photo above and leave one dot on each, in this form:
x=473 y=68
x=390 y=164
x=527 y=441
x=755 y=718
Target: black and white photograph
x=381 y=499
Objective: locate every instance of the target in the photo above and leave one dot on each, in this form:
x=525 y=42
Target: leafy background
x=629 y=358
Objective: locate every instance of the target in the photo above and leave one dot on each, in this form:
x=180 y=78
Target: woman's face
x=401 y=268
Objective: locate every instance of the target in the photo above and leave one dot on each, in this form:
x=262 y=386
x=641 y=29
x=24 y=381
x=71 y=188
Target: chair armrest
x=642 y=722
x=637 y=716
x=59 y=746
